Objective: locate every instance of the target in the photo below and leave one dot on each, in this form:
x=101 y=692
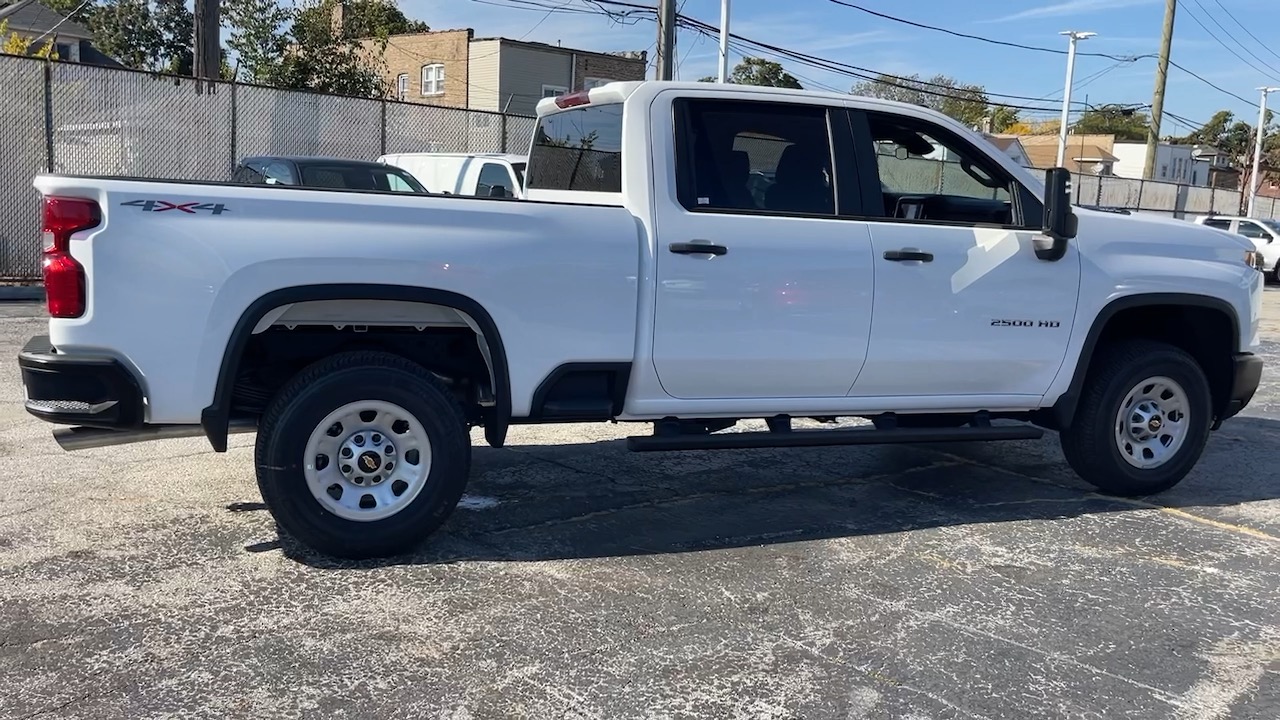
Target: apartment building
x=456 y=69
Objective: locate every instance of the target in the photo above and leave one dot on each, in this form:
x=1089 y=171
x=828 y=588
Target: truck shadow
x=555 y=502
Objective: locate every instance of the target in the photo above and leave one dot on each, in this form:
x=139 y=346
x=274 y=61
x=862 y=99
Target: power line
x=1271 y=71
x=1036 y=48
x=1246 y=29
x=967 y=36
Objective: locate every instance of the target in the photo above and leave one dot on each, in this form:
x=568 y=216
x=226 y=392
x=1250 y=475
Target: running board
x=825 y=438
x=88 y=438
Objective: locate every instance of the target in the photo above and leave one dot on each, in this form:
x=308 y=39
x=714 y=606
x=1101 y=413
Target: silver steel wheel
x=367 y=460
x=1152 y=423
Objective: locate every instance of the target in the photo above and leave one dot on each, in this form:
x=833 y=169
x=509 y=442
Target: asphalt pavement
x=580 y=581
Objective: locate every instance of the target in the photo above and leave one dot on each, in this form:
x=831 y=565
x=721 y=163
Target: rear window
x=579 y=149
x=347 y=177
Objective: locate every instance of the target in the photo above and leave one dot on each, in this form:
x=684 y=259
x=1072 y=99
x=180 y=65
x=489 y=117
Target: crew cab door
x=763 y=282
x=963 y=307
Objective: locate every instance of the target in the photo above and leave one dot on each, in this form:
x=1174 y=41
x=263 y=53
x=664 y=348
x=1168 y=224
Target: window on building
x=553 y=90
x=433 y=79
x=402 y=86
x=594 y=82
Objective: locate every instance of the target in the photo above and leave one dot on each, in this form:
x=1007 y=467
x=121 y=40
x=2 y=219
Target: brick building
x=456 y=69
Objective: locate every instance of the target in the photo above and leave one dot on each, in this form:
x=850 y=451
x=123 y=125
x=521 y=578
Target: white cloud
x=1069 y=7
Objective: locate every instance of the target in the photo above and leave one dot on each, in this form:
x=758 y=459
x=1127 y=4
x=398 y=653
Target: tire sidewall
x=284 y=482
x=1187 y=374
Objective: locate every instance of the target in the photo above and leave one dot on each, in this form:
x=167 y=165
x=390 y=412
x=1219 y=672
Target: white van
x=484 y=174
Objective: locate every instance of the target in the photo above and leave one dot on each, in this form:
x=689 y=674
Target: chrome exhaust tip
x=88 y=438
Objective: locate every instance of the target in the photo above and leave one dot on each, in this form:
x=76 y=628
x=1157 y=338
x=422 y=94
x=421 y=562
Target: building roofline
x=559 y=48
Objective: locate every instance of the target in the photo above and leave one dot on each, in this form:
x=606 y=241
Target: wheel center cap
x=1155 y=424
x=369 y=462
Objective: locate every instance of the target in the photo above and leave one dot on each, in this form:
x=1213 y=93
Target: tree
x=966 y=103
x=1126 y=124
x=176 y=27
x=127 y=31
x=314 y=25
x=258 y=36
x=15 y=44
x=1003 y=117
x=759 y=71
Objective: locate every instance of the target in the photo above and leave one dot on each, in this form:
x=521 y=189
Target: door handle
x=696 y=248
x=904 y=255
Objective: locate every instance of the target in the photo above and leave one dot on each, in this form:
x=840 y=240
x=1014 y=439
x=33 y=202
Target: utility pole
x=205 y=54
x=1254 y=179
x=724 y=41
x=666 y=39
x=1075 y=36
x=1157 y=98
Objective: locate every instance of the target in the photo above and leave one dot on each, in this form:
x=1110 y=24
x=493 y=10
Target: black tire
x=1275 y=273
x=304 y=402
x=1090 y=444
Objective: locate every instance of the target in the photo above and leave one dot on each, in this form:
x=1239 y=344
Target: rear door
x=764 y=279
x=963 y=305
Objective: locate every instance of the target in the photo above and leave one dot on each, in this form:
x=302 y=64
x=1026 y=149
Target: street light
x=1254 y=180
x=1075 y=37
x=724 y=41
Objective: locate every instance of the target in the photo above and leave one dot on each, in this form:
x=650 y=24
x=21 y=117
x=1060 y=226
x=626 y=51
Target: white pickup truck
x=690 y=255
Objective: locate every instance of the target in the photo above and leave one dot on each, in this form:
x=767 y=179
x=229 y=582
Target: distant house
x=1086 y=154
x=1174 y=163
x=456 y=69
x=72 y=41
x=1011 y=146
x=1216 y=166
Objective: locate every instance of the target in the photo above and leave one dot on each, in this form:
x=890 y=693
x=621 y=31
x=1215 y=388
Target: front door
x=963 y=305
x=763 y=289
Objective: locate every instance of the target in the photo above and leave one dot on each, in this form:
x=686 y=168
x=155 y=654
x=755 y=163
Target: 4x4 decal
x=190 y=208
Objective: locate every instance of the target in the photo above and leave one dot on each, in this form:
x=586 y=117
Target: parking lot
x=580 y=581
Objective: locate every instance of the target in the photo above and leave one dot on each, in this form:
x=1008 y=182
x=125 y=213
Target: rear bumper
x=88 y=390
x=1246 y=375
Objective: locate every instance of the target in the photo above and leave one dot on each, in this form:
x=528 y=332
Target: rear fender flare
x=215 y=418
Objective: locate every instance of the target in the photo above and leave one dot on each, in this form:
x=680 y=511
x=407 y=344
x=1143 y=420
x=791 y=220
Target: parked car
x=1263 y=232
x=321 y=172
x=362 y=336
x=483 y=174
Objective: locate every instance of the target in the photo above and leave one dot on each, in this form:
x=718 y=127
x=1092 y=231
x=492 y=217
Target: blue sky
x=818 y=27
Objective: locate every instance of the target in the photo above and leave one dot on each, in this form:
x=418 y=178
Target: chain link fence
x=88 y=120
x=1183 y=202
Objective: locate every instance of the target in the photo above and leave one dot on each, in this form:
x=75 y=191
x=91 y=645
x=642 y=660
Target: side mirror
x=1059 y=219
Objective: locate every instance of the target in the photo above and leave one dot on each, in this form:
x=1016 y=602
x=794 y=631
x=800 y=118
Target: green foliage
x=15 y=44
x=1126 y=124
x=966 y=103
x=759 y=71
x=314 y=25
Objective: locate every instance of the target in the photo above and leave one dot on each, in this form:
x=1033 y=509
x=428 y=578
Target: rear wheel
x=1142 y=422
x=363 y=455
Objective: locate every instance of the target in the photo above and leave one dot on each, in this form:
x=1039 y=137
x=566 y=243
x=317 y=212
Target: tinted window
x=927 y=174
x=1218 y=223
x=358 y=177
x=755 y=156
x=579 y=149
x=493 y=175
x=279 y=173
x=246 y=175
x=1252 y=230
x=519 y=168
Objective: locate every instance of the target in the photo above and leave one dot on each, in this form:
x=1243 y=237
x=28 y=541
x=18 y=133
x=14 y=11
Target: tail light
x=573 y=99
x=63 y=275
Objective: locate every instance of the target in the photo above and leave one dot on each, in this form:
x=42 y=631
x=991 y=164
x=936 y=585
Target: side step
x=824 y=438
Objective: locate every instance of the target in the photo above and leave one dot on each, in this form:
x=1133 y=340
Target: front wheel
x=363 y=454
x=1142 y=422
